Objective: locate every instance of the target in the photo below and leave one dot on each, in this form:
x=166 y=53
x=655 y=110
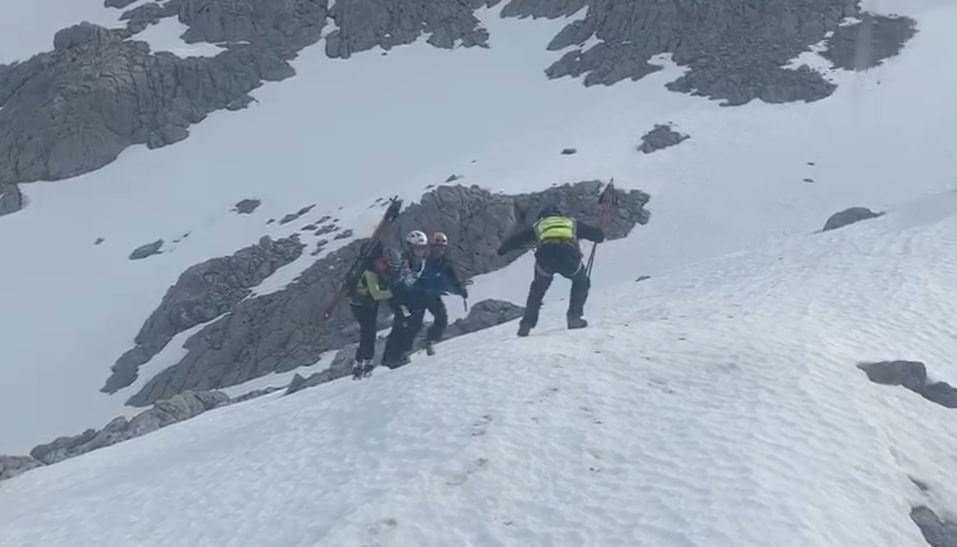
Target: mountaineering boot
x=576 y=323
x=357 y=370
x=429 y=348
x=524 y=329
x=367 y=369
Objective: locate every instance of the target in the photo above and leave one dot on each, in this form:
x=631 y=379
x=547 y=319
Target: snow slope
x=342 y=133
x=718 y=406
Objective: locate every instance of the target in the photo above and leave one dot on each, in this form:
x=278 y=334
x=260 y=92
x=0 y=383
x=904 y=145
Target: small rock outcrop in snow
x=937 y=532
x=11 y=466
x=662 y=136
x=295 y=216
x=849 y=216
x=869 y=42
x=147 y=250
x=202 y=293
x=277 y=332
x=176 y=409
x=913 y=376
x=247 y=206
x=11 y=200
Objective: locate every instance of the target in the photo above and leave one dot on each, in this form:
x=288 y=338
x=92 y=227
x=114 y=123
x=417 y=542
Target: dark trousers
x=440 y=318
x=367 y=316
x=566 y=261
x=404 y=327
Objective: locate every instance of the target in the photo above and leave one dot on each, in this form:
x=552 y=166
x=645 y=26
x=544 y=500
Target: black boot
x=357 y=370
x=429 y=348
x=367 y=369
x=524 y=329
x=576 y=322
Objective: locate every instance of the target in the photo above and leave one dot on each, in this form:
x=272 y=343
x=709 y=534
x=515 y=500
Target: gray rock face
x=247 y=206
x=282 y=330
x=937 y=532
x=202 y=293
x=73 y=110
x=365 y=24
x=662 y=136
x=849 y=216
x=11 y=466
x=176 y=409
x=11 y=200
x=147 y=250
x=913 y=376
x=735 y=52
x=868 y=43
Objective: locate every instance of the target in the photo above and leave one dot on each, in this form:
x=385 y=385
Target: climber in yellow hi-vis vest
x=557 y=252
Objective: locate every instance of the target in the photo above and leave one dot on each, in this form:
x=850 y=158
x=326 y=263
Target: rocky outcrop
x=73 y=110
x=913 y=376
x=734 y=52
x=662 y=136
x=295 y=216
x=11 y=200
x=176 y=409
x=937 y=532
x=119 y=4
x=11 y=466
x=868 y=43
x=485 y=314
x=281 y=331
x=247 y=206
x=849 y=216
x=365 y=24
x=147 y=250
x=202 y=293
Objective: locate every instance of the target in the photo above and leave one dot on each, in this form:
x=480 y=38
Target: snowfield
x=718 y=405
x=333 y=136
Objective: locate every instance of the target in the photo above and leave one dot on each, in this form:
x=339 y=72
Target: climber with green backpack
x=557 y=252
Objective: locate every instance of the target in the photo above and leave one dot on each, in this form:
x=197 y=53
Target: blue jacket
x=439 y=277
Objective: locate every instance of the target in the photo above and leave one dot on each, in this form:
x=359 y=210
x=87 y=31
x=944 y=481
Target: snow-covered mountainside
x=285 y=106
x=721 y=405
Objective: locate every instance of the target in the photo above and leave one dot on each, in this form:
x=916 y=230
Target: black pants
x=440 y=321
x=565 y=260
x=367 y=316
x=404 y=327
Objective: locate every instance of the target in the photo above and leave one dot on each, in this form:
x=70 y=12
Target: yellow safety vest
x=555 y=230
x=369 y=286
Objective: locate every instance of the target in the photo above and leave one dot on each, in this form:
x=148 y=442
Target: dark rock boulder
x=247 y=206
x=662 y=136
x=937 y=532
x=202 y=293
x=849 y=216
x=147 y=250
x=913 y=376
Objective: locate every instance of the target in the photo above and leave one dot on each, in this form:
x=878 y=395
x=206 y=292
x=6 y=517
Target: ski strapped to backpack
x=358 y=266
x=607 y=200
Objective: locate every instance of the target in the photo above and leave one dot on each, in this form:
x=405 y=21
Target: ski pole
x=465 y=302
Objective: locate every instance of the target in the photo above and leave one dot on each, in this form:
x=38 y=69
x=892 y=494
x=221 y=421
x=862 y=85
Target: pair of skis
x=359 y=265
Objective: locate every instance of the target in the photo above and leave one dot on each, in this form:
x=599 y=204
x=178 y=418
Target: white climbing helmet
x=417 y=238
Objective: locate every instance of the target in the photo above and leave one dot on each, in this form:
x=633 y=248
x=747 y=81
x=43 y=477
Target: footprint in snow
x=474 y=467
